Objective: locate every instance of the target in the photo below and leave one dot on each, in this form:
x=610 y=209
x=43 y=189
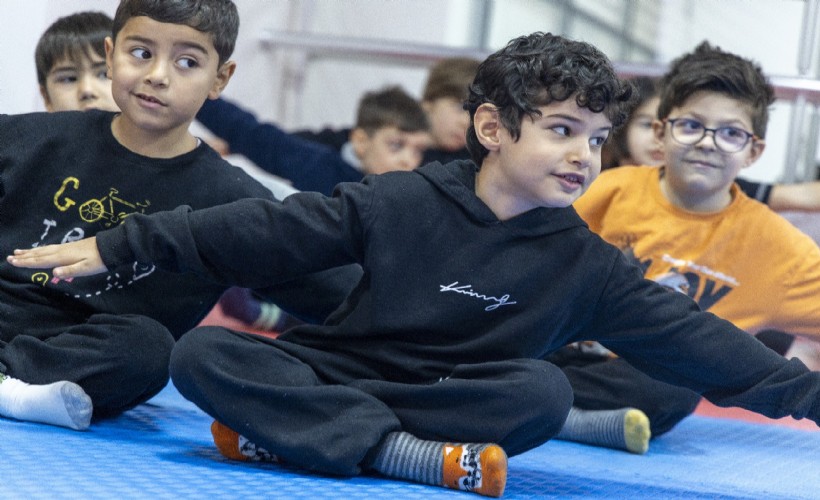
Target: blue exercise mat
x=163 y=449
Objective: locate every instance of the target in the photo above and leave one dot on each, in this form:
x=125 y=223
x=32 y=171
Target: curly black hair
x=537 y=69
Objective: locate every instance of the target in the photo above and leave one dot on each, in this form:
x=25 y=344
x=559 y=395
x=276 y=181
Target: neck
x=152 y=143
x=494 y=195
x=696 y=201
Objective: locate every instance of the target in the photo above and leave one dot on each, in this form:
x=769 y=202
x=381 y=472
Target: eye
x=141 y=53
x=65 y=79
x=689 y=125
x=102 y=74
x=732 y=133
x=188 y=62
x=560 y=130
x=597 y=142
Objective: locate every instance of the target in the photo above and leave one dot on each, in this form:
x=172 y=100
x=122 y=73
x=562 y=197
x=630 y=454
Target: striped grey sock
x=401 y=455
x=623 y=429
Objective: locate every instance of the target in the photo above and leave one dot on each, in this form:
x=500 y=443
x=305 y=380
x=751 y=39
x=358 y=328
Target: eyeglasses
x=727 y=139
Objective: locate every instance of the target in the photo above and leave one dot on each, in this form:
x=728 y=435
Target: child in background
x=635 y=144
x=431 y=371
x=70 y=62
x=391 y=133
x=443 y=101
x=688 y=226
x=68 y=349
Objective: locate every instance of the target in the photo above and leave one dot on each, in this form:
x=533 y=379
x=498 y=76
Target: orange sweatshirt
x=744 y=263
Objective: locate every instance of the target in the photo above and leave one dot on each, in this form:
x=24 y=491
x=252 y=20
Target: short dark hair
x=390 y=107
x=450 y=77
x=218 y=18
x=538 y=69
x=711 y=69
x=74 y=36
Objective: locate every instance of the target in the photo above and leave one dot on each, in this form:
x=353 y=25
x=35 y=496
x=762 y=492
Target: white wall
x=284 y=86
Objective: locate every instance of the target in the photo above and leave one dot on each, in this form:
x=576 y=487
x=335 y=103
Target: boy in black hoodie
x=430 y=370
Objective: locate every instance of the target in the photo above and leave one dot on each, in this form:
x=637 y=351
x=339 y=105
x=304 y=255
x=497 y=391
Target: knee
x=137 y=364
x=545 y=400
x=188 y=353
x=142 y=346
x=551 y=398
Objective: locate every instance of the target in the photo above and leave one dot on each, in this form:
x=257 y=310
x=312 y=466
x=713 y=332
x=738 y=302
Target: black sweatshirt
x=63 y=176
x=447 y=283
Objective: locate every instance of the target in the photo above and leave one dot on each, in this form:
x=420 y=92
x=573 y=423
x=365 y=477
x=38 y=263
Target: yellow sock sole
x=636 y=431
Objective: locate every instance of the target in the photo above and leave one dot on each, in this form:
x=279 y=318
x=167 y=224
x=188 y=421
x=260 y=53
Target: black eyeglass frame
x=671 y=122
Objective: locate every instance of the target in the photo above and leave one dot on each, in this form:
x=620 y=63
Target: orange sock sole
x=227 y=441
x=484 y=473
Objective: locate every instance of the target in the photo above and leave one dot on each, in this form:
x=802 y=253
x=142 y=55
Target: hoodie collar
x=456 y=180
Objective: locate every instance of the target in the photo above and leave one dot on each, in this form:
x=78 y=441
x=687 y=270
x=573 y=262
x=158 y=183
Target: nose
x=88 y=89
x=581 y=152
x=408 y=160
x=712 y=144
x=157 y=74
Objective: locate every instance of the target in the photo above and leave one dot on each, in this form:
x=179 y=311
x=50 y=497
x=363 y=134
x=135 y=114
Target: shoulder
x=761 y=223
x=634 y=182
x=756 y=190
x=224 y=181
x=65 y=122
x=626 y=175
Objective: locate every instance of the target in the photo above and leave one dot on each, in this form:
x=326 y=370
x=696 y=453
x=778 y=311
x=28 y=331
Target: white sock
x=62 y=403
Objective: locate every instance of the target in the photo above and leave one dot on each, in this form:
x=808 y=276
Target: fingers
x=80 y=258
x=36 y=257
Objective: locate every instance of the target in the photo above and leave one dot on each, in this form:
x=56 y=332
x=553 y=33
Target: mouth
x=572 y=180
x=149 y=99
x=698 y=163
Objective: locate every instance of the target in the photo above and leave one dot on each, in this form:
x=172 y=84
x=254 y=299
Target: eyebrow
x=573 y=119
x=732 y=122
x=183 y=44
x=74 y=67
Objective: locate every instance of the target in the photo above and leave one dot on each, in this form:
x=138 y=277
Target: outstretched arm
x=803 y=196
x=69 y=260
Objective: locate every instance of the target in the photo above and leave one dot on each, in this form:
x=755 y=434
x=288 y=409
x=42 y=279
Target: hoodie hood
x=456 y=180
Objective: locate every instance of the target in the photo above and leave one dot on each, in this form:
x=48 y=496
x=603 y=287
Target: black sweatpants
x=603 y=383
x=119 y=360
x=275 y=398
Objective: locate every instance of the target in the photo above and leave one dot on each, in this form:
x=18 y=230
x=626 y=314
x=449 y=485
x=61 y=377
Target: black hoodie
x=446 y=282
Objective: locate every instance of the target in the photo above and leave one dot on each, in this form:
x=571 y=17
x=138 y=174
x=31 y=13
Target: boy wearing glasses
x=689 y=226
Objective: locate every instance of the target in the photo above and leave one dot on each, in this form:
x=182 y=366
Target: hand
x=69 y=260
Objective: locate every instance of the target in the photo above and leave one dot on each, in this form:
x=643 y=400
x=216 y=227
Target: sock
x=62 y=403
x=269 y=316
x=623 y=429
x=240 y=303
x=234 y=446
x=480 y=468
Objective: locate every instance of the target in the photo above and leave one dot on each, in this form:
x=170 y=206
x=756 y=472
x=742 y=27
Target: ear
x=46 y=99
x=223 y=76
x=754 y=153
x=487 y=124
x=109 y=56
x=360 y=141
